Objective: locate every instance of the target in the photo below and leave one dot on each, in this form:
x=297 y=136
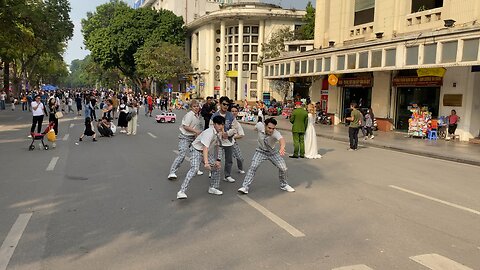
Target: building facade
x=226 y=46
x=392 y=55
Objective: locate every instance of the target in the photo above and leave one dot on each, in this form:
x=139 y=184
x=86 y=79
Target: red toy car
x=166 y=117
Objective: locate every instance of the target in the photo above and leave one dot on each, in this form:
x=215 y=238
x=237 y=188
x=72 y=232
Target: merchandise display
x=418 y=122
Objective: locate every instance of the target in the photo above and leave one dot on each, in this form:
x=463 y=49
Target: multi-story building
x=226 y=46
x=392 y=55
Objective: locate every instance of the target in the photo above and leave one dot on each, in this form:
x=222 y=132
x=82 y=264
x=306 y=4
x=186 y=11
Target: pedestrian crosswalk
x=430 y=261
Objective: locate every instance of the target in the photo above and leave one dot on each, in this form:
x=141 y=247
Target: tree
x=281 y=86
x=115 y=32
x=307 y=31
x=276 y=44
x=161 y=61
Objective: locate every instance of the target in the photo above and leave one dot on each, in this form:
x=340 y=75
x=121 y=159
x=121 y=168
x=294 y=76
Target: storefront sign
x=418 y=81
x=355 y=82
x=426 y=72
x=232 y=73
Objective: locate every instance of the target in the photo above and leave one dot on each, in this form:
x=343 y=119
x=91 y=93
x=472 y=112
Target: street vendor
x=452 y=123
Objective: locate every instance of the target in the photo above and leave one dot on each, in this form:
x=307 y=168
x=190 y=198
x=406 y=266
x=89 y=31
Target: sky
x=80 y=8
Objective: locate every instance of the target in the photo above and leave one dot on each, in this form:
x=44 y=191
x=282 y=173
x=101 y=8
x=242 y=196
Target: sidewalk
x=456 y=151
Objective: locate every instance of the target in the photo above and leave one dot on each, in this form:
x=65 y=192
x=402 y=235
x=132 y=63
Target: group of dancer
x=218 y=142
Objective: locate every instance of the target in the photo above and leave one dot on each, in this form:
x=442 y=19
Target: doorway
x=361 y=95
x=422 y=96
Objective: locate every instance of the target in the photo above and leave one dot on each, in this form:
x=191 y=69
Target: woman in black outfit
x=53 y=108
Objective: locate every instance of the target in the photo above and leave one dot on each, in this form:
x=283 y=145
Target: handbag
x=129 y=116
x=58 y=115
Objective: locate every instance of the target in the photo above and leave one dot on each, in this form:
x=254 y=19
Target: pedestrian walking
x=3 y=98
x=122 y=117
x=299 y=120
x=78 y=103
x=132 y=124
x=70 y=105
x=355 y=119
x=38 y=111
x=369 y=116
x=206 y=148
x=53 y=108
x=227 y=137
x=268 y=137
x=208 y=109
x=89 y=130
x=92 y=105
x=240 y=133
x=311 y=150
x=189 y=130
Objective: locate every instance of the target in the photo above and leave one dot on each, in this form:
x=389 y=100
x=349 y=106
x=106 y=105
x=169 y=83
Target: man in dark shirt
x=355 y=124
x=208 y=109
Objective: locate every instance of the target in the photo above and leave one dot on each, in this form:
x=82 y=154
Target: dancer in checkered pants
x=206 y=147
x=237 y=154
x=189 y=130
x=268 y=136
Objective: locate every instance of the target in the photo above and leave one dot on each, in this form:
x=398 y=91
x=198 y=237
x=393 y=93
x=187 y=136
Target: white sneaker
x=199 y=173
x=172 y=176
x=371 y=137
x=229 y=179
x=214 y=191
x=29 y=136
x=181 y=195
x=287 y=188
x=243 y=190
x=209 y=174
x=241 y=171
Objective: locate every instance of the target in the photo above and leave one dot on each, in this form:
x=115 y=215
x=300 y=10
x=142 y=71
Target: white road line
x=176 y=152
x=438 y=262
x=71 y=125
x=354 y=267
x=52 y=164
x=75 y=118
x=13 y=237
x=437 y=200
x=151 y=135
x=65 y=138
x=19 y=118
x=276 y=219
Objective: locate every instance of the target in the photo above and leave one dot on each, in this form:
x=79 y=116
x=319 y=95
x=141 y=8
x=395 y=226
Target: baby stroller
x=40 y=136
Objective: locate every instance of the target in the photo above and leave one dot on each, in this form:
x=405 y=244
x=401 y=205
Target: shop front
x=416 y=94
x=357 y=90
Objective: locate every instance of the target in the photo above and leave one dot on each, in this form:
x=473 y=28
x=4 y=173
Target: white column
x=260 y=75
x=240 y=82
x=209 y=85
x=222 y=59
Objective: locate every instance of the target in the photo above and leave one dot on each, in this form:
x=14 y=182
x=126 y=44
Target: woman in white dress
x=310 y=135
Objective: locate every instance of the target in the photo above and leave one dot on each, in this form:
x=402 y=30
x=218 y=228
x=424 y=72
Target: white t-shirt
x=208 y=138
x=40 y=109
x=2 y=96
x=266 y=142
x=238 y=128
x=190 y=120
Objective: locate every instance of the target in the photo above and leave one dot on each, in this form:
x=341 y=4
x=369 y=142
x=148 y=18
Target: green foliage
x=87 y=73
x=276 y=44
x=115 y=32
x=307 y=31
x=161 y=61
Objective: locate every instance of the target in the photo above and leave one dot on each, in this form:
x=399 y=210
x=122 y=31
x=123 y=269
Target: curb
x=392 y=148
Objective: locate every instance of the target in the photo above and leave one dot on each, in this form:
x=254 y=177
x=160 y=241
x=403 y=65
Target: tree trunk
x=6 y=76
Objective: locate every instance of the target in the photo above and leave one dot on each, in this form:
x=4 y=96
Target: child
x=89 y=131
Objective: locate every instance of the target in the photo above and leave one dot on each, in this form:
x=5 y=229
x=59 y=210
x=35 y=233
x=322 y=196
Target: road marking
x=276 y=219
x=151 y=135
x=52 y=164
x=437 y=200
x=13 y=237
x=71 y=125
x=65 y=137
x=177 y=152
x=354 y=267
x=438 y=262
x=19 y=118
x=75 y=118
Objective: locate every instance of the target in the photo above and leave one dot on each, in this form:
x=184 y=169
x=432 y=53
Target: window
x=246 y=48
x=449 y=52
x=229 y=67
x=311 y=66
x=230 y=39
x=364 y=11
x=277 y=70
x=363 y=60
x=236 y=48
x=271 y=70
x=235 y=67
x=391 y=57
x=254 y=57
x=217 y=49
x=253 y=85
x=230 y=49
x=230 y=58
x=430 y=53
x=254 y=29
x=246 y=39
x=246 y=29
x=254 y=48
x=246 y=58
x=287 y=69
x=470 y=50
x=253 y=76
x=282 y=69
x=376 y=59
x=254 y=39
x=297 y=67
x=236 y=58
x=328 y=61
x=352 y=61
x=319 y=65
x=254 y=67
x=236 y=39
x=341 y=62
x=230 y=31
x=422 y=5
x=245 y=67
x=412 y=55
x=303 y=68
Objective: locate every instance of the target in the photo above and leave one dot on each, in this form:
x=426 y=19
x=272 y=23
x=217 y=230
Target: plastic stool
x=432 y=134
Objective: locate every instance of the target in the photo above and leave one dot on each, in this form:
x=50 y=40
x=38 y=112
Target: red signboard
x=417 y=81
x=216 y=88
x=355 y=82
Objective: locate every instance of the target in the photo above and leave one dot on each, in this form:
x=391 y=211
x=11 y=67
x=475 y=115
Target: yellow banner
x=436 y=72
x=232 y=73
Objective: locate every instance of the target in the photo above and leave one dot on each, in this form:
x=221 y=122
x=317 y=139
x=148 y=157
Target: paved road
x=108 y=205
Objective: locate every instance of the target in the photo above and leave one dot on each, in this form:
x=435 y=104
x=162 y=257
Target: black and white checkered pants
x=196 y=158
x=237 y=154
x=257 y=159
x=184 y=143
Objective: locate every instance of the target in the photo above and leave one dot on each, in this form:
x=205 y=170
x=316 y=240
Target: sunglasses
x=225 y=104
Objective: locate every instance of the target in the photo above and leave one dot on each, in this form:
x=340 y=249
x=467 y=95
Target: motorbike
x=323 y=118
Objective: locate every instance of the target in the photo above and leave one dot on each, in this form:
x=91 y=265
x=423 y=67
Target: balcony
x=424 y=19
